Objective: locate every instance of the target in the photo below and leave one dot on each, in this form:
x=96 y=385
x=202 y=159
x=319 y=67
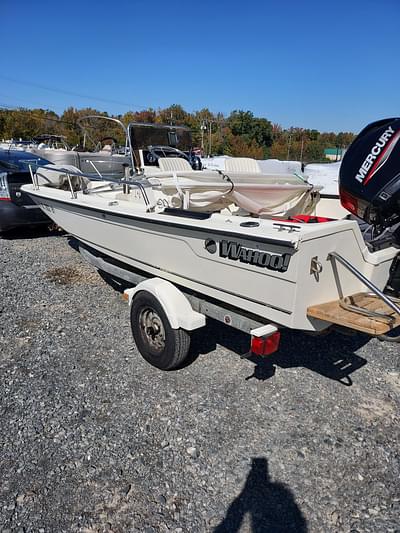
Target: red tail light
x=265 y=345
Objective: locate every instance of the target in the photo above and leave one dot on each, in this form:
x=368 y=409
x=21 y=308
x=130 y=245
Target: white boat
x=177 y=227
x=14 y=144
x=105 y=159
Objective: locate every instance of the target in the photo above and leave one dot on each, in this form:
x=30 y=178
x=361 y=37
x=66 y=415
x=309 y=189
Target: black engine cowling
x=369 y=180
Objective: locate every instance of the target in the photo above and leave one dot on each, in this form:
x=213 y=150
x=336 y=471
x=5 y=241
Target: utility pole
x=203 y=127
x=210 y=122
x=288 y=146
x=302 y=147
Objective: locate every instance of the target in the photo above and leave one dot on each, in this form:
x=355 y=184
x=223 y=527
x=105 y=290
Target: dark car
x=16 y=207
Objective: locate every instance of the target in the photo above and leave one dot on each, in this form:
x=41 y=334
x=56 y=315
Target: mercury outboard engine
x=369 y=182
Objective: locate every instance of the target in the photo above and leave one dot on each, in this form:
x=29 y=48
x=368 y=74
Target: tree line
x=239 y=134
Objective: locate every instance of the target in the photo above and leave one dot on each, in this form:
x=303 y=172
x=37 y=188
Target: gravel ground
x=94 y=439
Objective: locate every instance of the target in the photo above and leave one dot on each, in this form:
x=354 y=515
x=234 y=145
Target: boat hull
x=264 y=271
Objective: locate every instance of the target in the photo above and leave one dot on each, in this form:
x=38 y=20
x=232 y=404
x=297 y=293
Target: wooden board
x=333 y=312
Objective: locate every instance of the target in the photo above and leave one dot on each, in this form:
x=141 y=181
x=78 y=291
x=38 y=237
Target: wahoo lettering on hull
x=237 y=252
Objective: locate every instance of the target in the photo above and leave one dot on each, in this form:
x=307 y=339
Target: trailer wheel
x=161 y=346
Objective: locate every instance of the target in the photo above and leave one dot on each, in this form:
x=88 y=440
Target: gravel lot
x=93 y=439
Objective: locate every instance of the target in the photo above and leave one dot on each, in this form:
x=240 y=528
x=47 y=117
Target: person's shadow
x=271 y=506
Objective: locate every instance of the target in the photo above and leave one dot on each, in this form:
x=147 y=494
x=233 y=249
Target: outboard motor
x=369 y=180
x=369 y=183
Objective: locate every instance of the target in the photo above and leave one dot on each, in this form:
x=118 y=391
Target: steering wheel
x=155 y=152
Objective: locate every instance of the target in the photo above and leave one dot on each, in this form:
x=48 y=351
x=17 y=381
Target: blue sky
x=331 y=66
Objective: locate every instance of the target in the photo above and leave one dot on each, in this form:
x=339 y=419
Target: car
x=16 y=207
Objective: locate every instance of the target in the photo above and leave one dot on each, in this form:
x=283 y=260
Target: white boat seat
x=242 y=164
x=173 y=164
x=107 y=149
x=97 y=184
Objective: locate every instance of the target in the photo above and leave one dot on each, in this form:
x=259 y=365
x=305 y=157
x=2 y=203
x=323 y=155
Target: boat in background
x=326 y=176
x=14 y=144
x=106 y=158
x=151 y=142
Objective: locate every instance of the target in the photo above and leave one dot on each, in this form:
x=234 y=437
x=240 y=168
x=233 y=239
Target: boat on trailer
x=260 y=268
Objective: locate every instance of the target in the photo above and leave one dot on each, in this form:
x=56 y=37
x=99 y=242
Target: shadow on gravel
x=271 y=506
x=33 y=232
x=332 y=356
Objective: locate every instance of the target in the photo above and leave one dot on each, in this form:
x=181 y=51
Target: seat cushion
x=167 y=164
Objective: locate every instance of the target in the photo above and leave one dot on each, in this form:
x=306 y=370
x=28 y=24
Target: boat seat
x=96 y=184
x=172 y=164
x=107 y=149
x=242 y=164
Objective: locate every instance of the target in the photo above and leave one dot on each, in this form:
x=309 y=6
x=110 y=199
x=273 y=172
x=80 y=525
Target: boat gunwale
x=165 y=222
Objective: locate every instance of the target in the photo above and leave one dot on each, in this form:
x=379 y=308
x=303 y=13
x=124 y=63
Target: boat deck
x=336 y=314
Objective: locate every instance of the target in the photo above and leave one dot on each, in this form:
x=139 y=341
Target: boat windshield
x=144 y=135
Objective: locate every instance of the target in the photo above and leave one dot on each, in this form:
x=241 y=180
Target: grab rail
x=94 y=166
x=365 y=281
x=115 y=181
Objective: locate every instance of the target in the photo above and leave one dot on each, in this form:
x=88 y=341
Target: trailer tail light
x=4 y=190
x=265 y=345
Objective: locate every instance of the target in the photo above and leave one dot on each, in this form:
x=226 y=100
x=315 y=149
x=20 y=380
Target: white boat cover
x=257 y=193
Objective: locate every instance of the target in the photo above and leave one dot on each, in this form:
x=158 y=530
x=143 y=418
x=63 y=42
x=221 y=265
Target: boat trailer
x=163 y=314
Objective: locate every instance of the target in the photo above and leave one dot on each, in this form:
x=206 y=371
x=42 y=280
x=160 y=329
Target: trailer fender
x=175 y=304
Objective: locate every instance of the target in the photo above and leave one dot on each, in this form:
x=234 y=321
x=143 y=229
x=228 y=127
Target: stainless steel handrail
x=94 y=166
x=116 y=181
x=365 y=281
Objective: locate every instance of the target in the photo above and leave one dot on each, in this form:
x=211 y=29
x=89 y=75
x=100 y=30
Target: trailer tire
x=161 y=345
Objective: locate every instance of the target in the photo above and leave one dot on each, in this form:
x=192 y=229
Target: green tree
x=174 y=114
x=251 y=128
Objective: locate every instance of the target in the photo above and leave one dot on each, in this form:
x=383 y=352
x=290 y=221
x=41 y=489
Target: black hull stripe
x=330 y=196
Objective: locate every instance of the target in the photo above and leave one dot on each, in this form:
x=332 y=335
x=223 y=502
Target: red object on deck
x=305 y=219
